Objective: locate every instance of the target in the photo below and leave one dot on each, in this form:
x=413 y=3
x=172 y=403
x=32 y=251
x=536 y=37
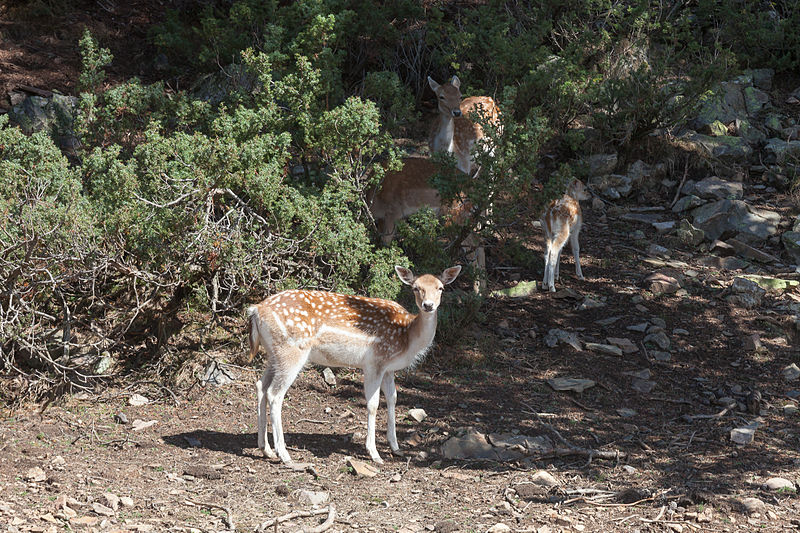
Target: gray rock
x=688 y=234
x=762 y=77
x=714 y=188
x=745 y=250
x=748 y=293
x=499 y=528
x=752 y=505
x=660 y=339
x=791 y=372
x=715 y=129
x=641 y=328
x=657 y=250
x=600 y=164
x=791 y=242
x=664 y=227
x=538 y=444
x=642 y=385
x=744 y=435
x=661 y=356
x=310 y=497
x=604 y=348
x=417 y=414
x=750 y=133
x=55 y=115
x=36 y=474
x=362 y=469
x=723 y=263
x=590 y=303
x=217 y=87
x=752 y=343
x=566 y=337
x=725 y=148
x=779 y=483
x=735 y=216
x=570 y=384
x=774 y=123
x=660 y=283
x=544 y=479
x=329 y=377
x=755 y=100
x=780 y=151
x=626 y=345
x=624 y=412
x=687 y=202
x=217 y=374
x=120 y=418
x=473 y=445
x=137 y=400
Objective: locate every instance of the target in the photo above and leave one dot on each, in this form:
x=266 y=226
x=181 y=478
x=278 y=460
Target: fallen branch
x=295 y=514
x=228 y=513
x=680 y=186
x=327 y=523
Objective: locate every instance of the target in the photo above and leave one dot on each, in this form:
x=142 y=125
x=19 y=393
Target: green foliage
x=94 y=59
x=394 y=100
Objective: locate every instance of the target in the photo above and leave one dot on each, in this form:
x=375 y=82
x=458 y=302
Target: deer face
x=448 y=96
x=578 y=190
x=428 y=288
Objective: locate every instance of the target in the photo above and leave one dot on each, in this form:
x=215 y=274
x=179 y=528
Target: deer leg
x=390 y=393
x=576 y=251
x=372 y=393
x=262 y=385
x=281 y=381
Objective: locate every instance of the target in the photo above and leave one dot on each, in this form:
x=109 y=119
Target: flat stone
x=779 y=483
x=744 y=435
x=640 y=328
x=663 y=228
x=643 y=386
x=604 y=348
x=362 y=469
x=539 y=444
x=139 y=425
x=791 y=372
x=310 y=497
x=329 y=377
x=607 y=321
x=590 y=303
x=600 y=164
x=723 y=263
x=201 y=471
x=624 y=412
x=417 y=414
x=137 y=400
x=570 y=384
x=659 y=283
x=745 y=250
x=544 y=479
x=102 y=510
x=686 y=203
x=752 y=343
x=661 y=356
x=626 y=345
x=714 y=188
x=752 y=505
x=660 y=339
x=36 y=474
x=499 y=528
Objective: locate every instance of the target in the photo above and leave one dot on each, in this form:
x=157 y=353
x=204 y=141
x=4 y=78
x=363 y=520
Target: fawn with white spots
x=453 y=131
x=338 y=330
x=561 y=221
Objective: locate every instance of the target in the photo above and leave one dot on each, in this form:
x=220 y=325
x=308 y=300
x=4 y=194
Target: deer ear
x=450 y=275
x=434 y=86
x=405 y=275
x=455 y=82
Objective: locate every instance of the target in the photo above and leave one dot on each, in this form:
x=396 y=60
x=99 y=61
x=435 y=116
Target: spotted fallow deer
x=406 y=191
x=339 y=330
x=561 y=221
x=453 y=131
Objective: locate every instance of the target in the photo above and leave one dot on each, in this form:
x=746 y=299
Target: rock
x=604 y=348
x=744 y=435
x=217 y=374
x=498 y=528
x=570 y=384
x=662 y=228
x=626 y=345
x=310 y=497
x=600 y=164
x=590 y=303
x=417 y=414
x=137 y=400
x=688 y=234
x=139 y=425
x=642 y=385
x=446 y=526
x=762 y=77
x=747 y=293
x=566 y=337
x=713 y=188
x=770 y=283
x=752 y=343
x=607 y=321
x=598 y=204
x=687 y=202
x=780 y=151
x=629 y=469
x=112 y=500
x=735 y=216
x=102 y=510
x=779 y=483
x=750 y=133
x=538 y=444
x=725 y=148
x=755 y=99
x=362 y=469
x=329 y=377
x=791 y=242
x=471 y=445
x=745 y=250
x=36 y=474
x=753 y=402
x=657 y=250
x=659 y=283
x=120 y=418
x=84 y=521
x=661 y=356
x=126 y=501
x=104 y=363
x=752 y=505
x=217 y=87
x=544 y=479
x=54 y=115
x=641 y=328
x=201 y=471
x=659 y=338
x=520 y=290
x=715 y=129
x=624 y=412
x=706 y=515
x=723 y=263
x=791 y=372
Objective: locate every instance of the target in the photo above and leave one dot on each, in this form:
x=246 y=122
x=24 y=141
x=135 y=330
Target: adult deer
x=562 y=220
x=378 y=336
x=406 y=191
x=453 y=131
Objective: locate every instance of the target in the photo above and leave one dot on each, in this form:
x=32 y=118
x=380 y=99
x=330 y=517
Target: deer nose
x=456 y=112
x=427 y=306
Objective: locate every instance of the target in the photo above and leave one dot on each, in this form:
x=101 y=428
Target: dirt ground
x=75 y=466
x=677 y=469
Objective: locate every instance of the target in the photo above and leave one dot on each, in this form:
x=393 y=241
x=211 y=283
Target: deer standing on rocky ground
x=339 y=330
x=453 y=131
x=406 y=191
x=561 y=221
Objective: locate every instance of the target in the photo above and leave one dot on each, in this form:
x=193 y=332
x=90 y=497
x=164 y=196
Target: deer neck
x=420 y=337
x=444 y=141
